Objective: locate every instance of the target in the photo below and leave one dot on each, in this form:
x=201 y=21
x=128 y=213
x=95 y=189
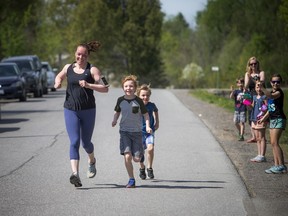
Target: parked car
x=43 y=73
x=30 y=71
x=12 y=83
x=50 y=75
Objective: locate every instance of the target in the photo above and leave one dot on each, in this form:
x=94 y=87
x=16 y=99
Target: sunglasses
x=276 y=81
x=253 y=64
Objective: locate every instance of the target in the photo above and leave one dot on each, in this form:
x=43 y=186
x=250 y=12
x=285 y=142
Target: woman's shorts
x=257 y=126
x=239 y=117
x=278 y=123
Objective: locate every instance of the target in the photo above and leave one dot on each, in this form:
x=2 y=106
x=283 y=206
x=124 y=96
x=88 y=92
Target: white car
x=50 y=75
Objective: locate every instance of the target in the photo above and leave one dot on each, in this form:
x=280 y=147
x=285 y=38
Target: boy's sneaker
x=131 y=183
x=142 y=173
x=277 y=169
x=150 y=173
x=258 y=159
x=74 y=179
x=92 y=170
x=241 y=138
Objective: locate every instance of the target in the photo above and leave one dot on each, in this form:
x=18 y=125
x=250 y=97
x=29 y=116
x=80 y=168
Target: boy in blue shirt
x=144 y=92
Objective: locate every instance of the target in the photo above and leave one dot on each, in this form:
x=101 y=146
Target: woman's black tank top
x=77 y=97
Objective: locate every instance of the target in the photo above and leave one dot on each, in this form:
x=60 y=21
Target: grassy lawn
x=228 y=104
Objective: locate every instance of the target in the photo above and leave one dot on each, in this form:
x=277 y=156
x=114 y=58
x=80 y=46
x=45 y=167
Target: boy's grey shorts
x=239 y=117
x=131 y=142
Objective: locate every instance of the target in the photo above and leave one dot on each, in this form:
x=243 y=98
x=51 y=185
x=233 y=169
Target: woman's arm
x=60 y=77
x=96 y=74
x=246 y=80
x=262 y=76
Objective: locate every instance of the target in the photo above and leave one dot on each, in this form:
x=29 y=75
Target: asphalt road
x=193 y=175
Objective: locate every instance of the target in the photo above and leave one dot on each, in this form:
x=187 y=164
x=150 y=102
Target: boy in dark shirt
x=240 y=109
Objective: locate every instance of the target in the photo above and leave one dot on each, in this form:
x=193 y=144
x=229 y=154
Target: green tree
x=140 y=39
x=176 y=47
x=229 y=32
x=130 y=33
x=283 y=13
x=55 y=35
x=17 y=26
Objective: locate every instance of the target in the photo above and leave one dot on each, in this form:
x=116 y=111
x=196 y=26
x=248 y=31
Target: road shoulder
x=268 y=192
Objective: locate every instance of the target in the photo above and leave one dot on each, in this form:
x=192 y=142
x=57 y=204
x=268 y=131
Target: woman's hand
x=83 y=83
x=57 y=85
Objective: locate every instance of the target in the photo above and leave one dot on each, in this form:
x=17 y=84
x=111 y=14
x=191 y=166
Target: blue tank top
x=77 y=97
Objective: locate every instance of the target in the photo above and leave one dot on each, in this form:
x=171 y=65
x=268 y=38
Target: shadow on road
x=159 y=186
x=12 y=121
x=27 y=111
x=3 y=130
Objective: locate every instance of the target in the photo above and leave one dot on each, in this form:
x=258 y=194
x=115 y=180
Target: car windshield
x=24 y=65
x=7 y=70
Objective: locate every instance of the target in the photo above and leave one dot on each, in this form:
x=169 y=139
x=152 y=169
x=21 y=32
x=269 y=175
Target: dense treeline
x=137 y=39
x=228 y=33
x=237 y=30
x=129 y=31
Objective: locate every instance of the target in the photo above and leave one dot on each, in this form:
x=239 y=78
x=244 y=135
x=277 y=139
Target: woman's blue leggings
x=80 y=126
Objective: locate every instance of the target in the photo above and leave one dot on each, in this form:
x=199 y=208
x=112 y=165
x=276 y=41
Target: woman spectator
x=253 y=74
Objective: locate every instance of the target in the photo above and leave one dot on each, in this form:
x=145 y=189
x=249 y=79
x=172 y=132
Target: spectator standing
x=240 y=112
x=253 y=74
x=277 y=123
x=259 y=109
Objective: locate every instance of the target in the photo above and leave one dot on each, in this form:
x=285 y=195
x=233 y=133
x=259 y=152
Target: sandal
x=251 y=141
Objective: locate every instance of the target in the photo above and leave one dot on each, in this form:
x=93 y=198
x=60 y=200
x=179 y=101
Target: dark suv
x=31 y=71
x=43 y=73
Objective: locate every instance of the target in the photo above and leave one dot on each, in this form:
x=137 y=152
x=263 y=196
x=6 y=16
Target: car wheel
x=23 y=96
x=45 y=90
x=38 y=93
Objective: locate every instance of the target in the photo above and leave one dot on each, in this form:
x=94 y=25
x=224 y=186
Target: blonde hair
x=132 y=78
x=144 y=87
x=248 y=68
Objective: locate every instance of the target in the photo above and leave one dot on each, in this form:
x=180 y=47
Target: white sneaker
x=92 y=170
x=258 y=159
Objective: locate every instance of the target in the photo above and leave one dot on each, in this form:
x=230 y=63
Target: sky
x=188 y=8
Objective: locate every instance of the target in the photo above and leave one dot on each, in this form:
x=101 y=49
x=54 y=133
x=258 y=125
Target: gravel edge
x=220 y=122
